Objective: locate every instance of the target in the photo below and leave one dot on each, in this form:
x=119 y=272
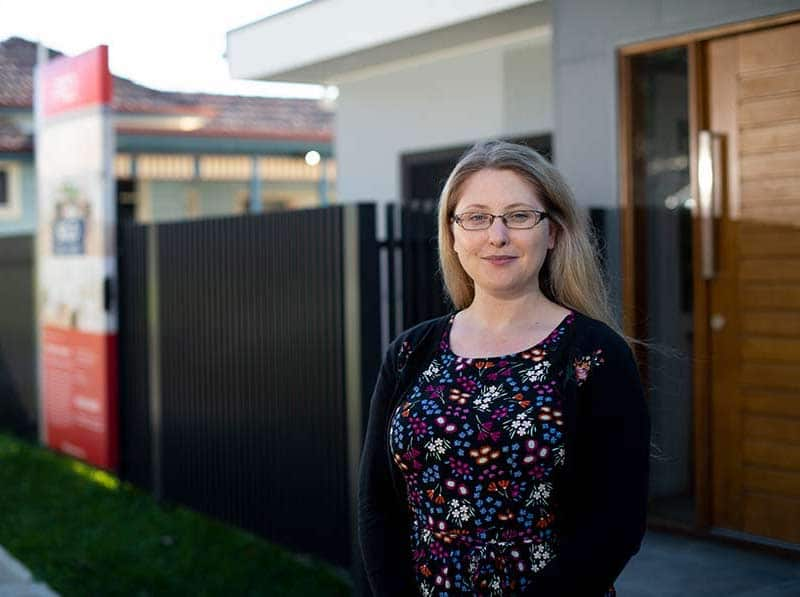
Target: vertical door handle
x=709 y=182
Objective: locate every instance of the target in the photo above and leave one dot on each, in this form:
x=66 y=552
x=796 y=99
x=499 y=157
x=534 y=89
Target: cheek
x=459 y=246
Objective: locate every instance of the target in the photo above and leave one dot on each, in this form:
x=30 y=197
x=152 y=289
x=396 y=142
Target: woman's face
x=502 y=262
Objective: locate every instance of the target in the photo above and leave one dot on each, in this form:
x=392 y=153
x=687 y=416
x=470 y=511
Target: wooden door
x=754 y=113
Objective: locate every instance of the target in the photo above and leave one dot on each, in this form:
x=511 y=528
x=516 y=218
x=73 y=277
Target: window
x=10 y=196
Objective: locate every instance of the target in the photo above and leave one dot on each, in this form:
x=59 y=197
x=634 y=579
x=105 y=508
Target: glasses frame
x=540 y=216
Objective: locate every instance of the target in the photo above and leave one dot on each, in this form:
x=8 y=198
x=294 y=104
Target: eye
x=520 y=217
x=475 y=218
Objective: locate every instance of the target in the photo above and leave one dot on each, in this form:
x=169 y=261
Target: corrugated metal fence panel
x=134 y=381
x=423 y=291
x=252 y=394
x=18 y=387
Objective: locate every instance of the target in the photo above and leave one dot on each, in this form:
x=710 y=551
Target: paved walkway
x=16 y=580
x=672 y=565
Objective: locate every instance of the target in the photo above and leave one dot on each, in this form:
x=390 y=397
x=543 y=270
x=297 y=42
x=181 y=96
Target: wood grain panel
x=764 y=375
x=771 y=401
x=772 y=428
x=769 y=110
x=762 y=241
x=780 y=483
x=770 y=323
x=770 y=454
x=769 y=138
x=770 y=270
x=787 y=187
x=770 y=215
x=770 y=48
x=776 y=163
x=756 y=355
x=779 y=350
x=777 y=296
x=760 y=84
x=774 y=516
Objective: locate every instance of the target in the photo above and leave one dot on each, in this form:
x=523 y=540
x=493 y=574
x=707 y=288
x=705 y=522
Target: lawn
x=83 y=532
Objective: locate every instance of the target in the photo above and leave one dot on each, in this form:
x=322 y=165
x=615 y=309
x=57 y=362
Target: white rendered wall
x=498 y=92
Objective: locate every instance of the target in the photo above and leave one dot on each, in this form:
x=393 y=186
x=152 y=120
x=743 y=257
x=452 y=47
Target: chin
x=503 y=290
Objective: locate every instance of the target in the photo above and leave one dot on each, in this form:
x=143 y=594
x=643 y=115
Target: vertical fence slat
x=18 y=384
x=253 y=413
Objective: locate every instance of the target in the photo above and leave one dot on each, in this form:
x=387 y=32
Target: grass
x=83 y=532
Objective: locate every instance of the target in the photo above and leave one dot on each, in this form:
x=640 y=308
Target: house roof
x=216 y=115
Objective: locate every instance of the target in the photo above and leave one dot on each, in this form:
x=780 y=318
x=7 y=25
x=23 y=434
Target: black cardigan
x=603 y=492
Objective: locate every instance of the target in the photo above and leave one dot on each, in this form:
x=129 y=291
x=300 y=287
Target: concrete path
x=16 y=580
x=673 y=565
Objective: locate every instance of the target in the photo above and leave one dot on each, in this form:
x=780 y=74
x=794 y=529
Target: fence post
x=154 y=358
x=362 y=349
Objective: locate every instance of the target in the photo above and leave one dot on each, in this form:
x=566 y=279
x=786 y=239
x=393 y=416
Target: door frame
x=698 y=119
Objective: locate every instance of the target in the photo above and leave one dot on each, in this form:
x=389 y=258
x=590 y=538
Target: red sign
x=79 y=379
x=75 y=259
x=76 y=82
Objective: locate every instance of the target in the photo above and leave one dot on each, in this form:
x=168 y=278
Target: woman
x=507 y=445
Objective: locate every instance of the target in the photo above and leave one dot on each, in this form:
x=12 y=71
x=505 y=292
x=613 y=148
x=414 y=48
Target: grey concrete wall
x=586 y=34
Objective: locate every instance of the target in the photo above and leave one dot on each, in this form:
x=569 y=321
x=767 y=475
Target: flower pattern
x=584 y=364
x=478 y=442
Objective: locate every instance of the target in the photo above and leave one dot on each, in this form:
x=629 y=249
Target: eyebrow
x=507 y=208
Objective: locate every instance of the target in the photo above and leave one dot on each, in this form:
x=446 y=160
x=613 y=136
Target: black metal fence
x=135 y=439
x=248 y=348
x=18 y=385
x=415 y=290
x=237 y=393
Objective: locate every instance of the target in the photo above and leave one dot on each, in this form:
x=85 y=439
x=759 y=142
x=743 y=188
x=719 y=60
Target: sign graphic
x=76 y=257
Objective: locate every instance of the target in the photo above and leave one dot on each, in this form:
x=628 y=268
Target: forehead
x=497 y=190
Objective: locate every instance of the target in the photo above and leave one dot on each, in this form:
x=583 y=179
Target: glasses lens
x=521 y=219
x=475 y=220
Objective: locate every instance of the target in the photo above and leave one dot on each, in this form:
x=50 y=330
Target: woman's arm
x=606 y=508
x=383 y=529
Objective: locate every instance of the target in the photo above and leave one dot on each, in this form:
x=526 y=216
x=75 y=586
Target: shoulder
x=416 y=338
x=595 y=332
x=422 y=330
x=596 y=346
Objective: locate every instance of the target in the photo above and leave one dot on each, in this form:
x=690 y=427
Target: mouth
x=499 y=259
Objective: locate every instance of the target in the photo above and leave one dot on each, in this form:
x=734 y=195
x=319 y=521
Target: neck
x=499 y=312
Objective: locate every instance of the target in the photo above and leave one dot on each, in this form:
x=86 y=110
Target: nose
x=498 y=233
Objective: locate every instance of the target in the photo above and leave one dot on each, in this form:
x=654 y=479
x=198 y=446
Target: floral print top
x=479 y=443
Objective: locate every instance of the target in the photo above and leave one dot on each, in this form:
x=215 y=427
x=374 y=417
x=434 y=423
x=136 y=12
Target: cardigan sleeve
x=605 y=513
x=383 y=528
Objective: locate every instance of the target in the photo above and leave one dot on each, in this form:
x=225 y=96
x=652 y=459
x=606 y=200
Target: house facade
x=179 y=155
x=678 y=122
x=418 y=82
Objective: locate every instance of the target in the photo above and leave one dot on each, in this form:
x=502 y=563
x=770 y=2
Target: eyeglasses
x=522 y=219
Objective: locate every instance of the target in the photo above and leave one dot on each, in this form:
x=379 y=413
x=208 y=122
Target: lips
x=499 y=259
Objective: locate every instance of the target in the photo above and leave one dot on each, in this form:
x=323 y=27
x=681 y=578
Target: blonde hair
x=571 y=274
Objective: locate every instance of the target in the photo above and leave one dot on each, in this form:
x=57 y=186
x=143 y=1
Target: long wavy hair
x=571 y=274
